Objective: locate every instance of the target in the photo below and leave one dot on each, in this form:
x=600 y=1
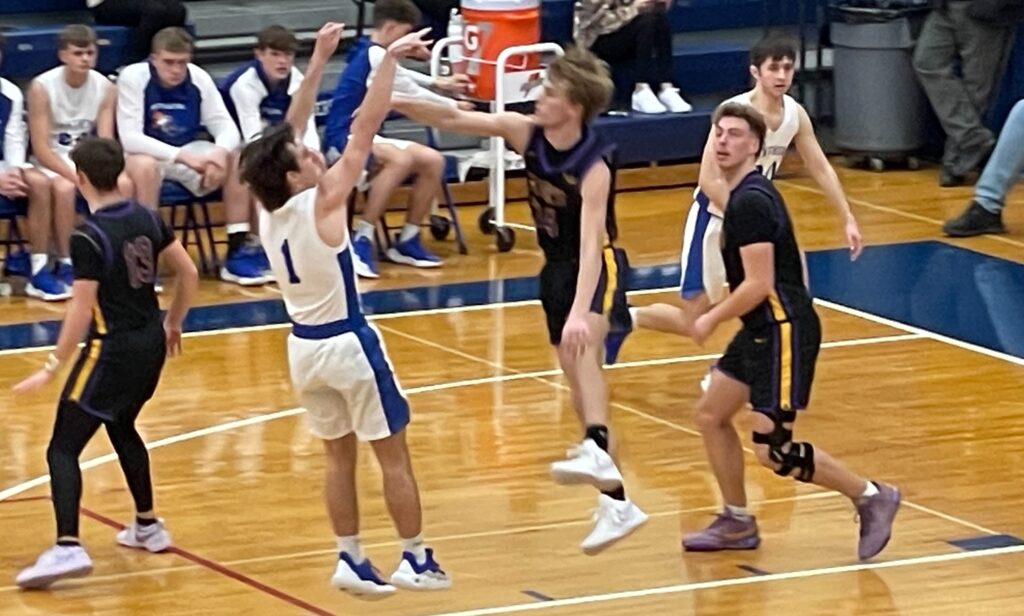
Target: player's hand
x=853 y=238
x=327 y=40
x=38 y=379
x=456 y=84
x=702 y=329
x=196 y=162
x=213 y=176
x=172 y=334
x=576 y=334
x=12 y=185
x=466 y=106
x=411 y=45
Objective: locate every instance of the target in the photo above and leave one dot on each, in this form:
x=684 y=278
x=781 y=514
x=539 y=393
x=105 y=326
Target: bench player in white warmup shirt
x=702 y=281
x=339 y=367
x=64 y=104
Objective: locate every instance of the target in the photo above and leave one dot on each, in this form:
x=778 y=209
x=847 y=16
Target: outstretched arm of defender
x=825 y=176
x=514 y=128
x=710 y=179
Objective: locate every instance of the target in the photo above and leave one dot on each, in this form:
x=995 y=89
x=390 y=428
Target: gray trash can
x=880 y=109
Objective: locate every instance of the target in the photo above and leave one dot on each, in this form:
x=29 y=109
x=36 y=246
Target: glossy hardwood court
x=238 y=478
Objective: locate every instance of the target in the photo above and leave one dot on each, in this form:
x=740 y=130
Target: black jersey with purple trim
x=757 y=214
x=554 y=178
x=118 y=247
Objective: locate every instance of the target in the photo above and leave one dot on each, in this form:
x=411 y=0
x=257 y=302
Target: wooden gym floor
x=238 y=478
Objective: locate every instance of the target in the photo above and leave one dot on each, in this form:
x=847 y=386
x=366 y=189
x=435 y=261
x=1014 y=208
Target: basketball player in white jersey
x=772 y=62
x=339 y=367
x=64 y=104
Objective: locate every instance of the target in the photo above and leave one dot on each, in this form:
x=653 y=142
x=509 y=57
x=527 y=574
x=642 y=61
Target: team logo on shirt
x=165 y=123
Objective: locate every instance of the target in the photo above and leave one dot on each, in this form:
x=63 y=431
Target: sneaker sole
x=49 y=580
x=396 y=257
x=572 y=478
x=364 y=592
x=158 y=548
x=975 y=232
x=227 y=276
x=46 y=297
x=405 y=584
x=738 y=546
x=597 y=549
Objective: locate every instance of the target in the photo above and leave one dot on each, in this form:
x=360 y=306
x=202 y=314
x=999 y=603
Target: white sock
x=416 y=547
x=352 y=547
x=237 y=227
x=740 y=513
x=38 y=262
x=365 y=229
x=65 y=260
x=633 y=312
x=409 y=231
x=640 y=87
x=870 y=490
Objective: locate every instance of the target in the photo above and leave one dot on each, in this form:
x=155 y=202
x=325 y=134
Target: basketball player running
x=339 y=367
x=770 y=362
x=114 y=254
x=581 y=283
x=702 y=274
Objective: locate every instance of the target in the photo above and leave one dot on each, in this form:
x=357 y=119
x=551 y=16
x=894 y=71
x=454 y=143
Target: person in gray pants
x=984 y=214
x=979 y=33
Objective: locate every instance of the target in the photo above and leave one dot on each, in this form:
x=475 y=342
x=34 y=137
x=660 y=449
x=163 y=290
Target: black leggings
x=646 y=41
x=73 y=429
x=145 y=17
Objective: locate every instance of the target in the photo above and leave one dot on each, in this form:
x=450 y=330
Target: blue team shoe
x=65 y=273
x=18 y=264
x=614 y=340
x=412 y=252
x=243 y=267
x=46 y=286
x=359 y=579
x=413 y=575
x=363 y=261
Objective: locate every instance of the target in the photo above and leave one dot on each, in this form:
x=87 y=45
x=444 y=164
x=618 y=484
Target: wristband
x=52 y=363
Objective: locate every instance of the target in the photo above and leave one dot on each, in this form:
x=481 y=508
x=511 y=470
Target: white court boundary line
x=743 y=581
x=514 y=376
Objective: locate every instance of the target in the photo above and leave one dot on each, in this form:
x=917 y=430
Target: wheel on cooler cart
x=505 y=238
x=876 y=163
x=486 y=221
x=913 y=163
x=440 y=227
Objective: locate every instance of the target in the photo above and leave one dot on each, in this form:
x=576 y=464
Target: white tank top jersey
x=73 y=110
x=776 y=142
x=318 y=281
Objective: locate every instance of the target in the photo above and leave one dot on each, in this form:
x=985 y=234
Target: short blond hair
x=173 y=39
x=587 y=79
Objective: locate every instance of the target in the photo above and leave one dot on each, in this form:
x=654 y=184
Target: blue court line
x=986 y=542
x=539 y=596
x=932 y=285
x=753 y=569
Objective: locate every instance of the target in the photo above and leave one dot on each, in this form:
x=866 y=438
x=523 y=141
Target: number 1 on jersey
x=293 y=278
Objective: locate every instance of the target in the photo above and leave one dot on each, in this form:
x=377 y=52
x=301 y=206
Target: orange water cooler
x=490 y=27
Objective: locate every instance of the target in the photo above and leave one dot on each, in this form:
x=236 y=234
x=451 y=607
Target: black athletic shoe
x=975 y=220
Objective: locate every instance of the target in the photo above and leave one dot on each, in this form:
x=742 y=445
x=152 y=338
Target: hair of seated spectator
x=752 y=116
x=399 y=11
x=173 y=40
x=587 y=79
x=775 y=46
x=77 y=35
x=100 y=160
x=265 y=163
x=277 y=38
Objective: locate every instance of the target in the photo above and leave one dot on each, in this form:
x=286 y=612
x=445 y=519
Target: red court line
x=221 y=569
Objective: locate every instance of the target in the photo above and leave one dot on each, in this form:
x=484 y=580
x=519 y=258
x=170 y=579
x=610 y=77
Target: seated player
x=162 y=107
x=393 y=160
x=64 y=104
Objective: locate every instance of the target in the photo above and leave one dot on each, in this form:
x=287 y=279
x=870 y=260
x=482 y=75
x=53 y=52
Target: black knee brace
x=783 y=451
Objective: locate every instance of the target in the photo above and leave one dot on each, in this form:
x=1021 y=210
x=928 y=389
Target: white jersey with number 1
x=338 y=364
x=701 y=260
